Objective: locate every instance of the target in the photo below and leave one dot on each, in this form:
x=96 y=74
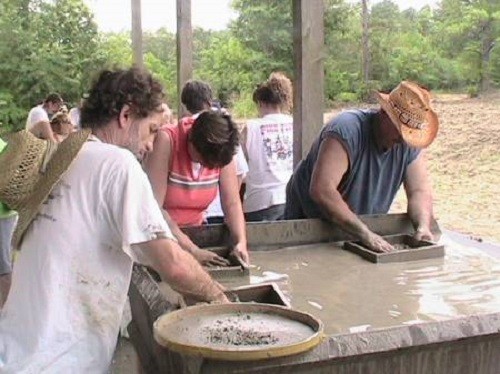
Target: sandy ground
x=464 y=164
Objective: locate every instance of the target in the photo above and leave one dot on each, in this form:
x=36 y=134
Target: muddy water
x=350 y=294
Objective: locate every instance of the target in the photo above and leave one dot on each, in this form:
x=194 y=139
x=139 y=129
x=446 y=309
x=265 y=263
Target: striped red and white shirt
x=191 y=186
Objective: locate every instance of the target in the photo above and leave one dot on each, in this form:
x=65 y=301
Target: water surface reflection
x=350 y=294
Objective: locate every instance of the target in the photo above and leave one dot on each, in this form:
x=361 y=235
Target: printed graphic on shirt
x=278 y=143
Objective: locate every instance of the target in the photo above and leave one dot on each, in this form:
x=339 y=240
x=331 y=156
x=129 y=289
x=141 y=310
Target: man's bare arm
x=180 y=269
x=233 y=212
x=419 y=193
x=330 y=167
x=43 y=130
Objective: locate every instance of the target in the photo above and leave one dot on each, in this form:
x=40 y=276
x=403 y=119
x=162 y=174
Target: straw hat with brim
x=409 y=108
x=29 y=169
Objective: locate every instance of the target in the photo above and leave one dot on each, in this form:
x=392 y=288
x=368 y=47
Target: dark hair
x=53 y=97
x=195 y=95
x=114 y=89
x=277 y=90
x=215 y=136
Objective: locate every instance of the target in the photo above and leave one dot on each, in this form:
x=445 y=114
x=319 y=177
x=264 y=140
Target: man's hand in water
x=423 y=233
x=208 y=258
x=376 y=243
x=241 y=251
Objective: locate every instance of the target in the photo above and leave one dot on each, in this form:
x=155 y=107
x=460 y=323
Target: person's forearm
x=193 y=281
x=43 y=130
x=235 y=221
x=180 y=269
x=337 y=211
x=420 y=209
x=183 y=240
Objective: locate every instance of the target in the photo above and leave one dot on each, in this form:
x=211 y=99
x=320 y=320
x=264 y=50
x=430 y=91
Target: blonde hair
x=61 y=123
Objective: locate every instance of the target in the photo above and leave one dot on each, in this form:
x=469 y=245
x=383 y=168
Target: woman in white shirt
x=268 y=146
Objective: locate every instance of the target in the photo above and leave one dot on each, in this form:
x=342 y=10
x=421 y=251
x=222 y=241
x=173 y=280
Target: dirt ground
x=464 y=163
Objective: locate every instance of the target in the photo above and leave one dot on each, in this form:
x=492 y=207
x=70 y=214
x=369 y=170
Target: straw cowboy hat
x=29 y=169
x=409 y=108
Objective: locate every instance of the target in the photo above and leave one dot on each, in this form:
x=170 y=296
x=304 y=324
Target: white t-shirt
x=269 y=144
x=36 y=115
x=215 y=208
x=74 y=115
x=71 y=278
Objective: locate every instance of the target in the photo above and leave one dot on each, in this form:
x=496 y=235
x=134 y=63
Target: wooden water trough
x=467 y=340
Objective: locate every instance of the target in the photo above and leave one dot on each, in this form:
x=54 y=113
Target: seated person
x=268 y=146
x=188 y=163
x=359 y=161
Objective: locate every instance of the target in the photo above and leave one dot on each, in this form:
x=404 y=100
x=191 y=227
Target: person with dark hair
x=196 y=96
x=86 y=213
x=189 y=163
x=38 y=121
x=359 y=161
x=268 y=146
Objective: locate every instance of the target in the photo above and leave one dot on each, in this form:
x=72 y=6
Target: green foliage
x=10 y=113
x=46 y=46
x=244 y=107
x=495 y=63
x=265 y=27
x=54 y=45
x=468 y=30
x=116 y=49
x=472 y=91
x=165 y=75
x=229 y=67
x=348 y=97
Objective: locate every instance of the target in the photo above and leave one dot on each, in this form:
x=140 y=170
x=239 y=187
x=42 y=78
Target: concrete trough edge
x=386 y=339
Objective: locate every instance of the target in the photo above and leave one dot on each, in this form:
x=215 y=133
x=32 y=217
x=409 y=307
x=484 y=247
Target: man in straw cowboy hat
x=360 y=160
x=86 y=212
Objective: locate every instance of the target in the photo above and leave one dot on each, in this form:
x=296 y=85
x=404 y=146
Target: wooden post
x=365 y=16
x=184 y=48
x=137 y=33
x=308 y=43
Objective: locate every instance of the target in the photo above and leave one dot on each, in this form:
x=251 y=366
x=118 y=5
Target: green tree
x=469 y=30
x=47 y=46
x=229 y=67
x=116 y=49
x=265 y=27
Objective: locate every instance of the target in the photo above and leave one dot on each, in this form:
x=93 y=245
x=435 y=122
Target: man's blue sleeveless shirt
x=373 y=178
